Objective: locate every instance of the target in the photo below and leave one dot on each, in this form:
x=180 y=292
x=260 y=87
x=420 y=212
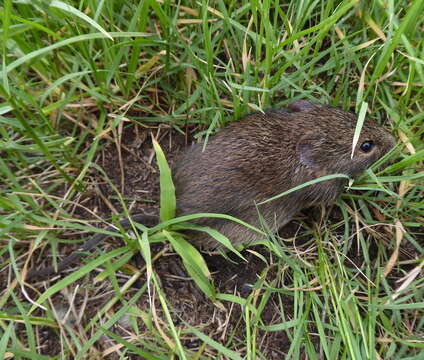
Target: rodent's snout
x=392 y=142
x=388 y=142
x=375 y=142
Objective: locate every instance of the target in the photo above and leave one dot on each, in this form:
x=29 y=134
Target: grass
x=77 y=76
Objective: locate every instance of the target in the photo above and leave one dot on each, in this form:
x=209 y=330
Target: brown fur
x=263 y=155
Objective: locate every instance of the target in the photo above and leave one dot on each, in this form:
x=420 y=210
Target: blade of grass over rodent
x=358 y=127
x=212 y=232
x=186 y=218
x=308 y=183
x=167 y=189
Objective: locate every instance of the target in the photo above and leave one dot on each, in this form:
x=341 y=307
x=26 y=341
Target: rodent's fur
x=265 y=154
x=260 y=156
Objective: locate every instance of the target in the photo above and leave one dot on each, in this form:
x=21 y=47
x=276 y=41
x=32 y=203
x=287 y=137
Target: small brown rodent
x=263 y=155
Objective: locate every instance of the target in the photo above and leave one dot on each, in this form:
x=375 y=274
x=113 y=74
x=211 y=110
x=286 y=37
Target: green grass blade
x=46 y=50
x=167 y=189
x=71 y=10
x=193 y=262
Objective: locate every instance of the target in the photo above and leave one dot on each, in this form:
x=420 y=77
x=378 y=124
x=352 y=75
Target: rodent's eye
x=367 y=146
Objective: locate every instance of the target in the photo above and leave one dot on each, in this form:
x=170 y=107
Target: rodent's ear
x=308 y=149
x=301 y=105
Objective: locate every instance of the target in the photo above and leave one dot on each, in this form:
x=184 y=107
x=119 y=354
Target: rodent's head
x=327 y=144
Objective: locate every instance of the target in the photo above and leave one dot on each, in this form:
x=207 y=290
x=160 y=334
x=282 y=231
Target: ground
x=138 y=182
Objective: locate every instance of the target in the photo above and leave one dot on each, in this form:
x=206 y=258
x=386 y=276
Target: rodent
x=260 y=156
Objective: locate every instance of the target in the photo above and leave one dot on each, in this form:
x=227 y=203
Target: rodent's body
x=263 y=155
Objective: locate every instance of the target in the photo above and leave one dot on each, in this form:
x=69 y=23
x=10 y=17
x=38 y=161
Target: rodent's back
x=235 y=166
